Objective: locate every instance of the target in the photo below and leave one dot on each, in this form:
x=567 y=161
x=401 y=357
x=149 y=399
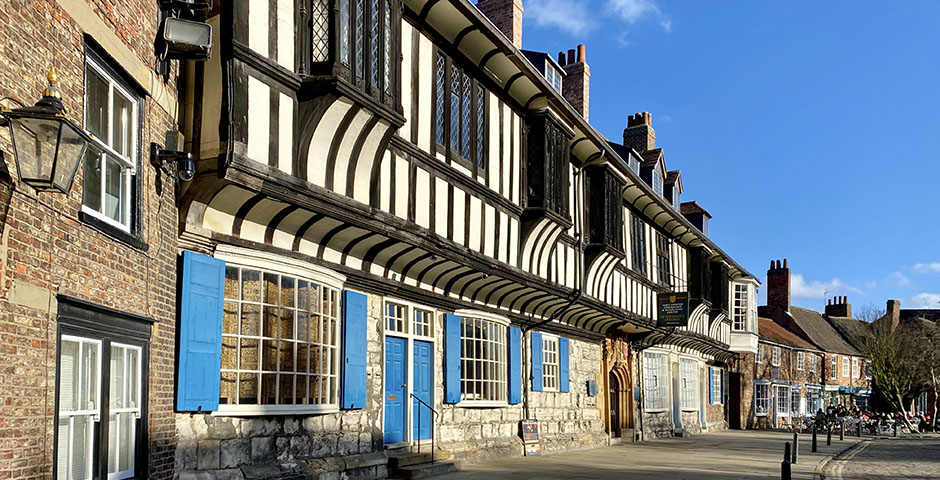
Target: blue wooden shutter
x=711 y=386
x=563 y=365
x=200 y=333
x=515 y=365
x=536 y=361
x=354 y=350
x=451 y=358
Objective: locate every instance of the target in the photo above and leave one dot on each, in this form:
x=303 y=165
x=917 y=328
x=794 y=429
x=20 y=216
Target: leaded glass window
x=688 y=384
x=638 y=240
x=387 y=67
x=367 y=42
x=459 y=114
x=320 y=22
x=663 y=260
x=374 y=43
x=654 y=380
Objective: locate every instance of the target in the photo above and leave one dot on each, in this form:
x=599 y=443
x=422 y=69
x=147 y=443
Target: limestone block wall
x=567 y=420
x=217 y=446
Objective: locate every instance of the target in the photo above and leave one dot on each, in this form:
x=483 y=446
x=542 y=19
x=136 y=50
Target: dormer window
x=657 y=182
x=635 y=164
x=553 y=76
x=675 y=198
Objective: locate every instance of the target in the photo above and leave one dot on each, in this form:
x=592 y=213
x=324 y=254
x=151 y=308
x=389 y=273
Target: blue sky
x=810 y=130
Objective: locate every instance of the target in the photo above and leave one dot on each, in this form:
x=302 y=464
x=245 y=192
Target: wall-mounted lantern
x=47 y=146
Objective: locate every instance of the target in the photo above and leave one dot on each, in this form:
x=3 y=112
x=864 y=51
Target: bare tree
x=927 y=339
x=895 y=357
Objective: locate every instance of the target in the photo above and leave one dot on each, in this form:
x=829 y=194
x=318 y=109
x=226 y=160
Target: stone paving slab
x=896 y=458
x=722 y=455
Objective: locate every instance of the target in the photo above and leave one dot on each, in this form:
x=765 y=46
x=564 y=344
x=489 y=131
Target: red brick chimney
x=639 y=133
x=893 y=313
x=576 y=87
x=839 y=307
x=778 y=285
x=506 y=15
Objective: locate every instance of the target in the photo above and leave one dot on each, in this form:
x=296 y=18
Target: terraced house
x=88 y=231
x=403 y=229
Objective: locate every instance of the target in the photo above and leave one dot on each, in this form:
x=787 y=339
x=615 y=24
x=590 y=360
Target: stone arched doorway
x=620 y=401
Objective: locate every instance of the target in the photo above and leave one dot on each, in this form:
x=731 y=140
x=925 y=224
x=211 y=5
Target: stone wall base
x=366 y=466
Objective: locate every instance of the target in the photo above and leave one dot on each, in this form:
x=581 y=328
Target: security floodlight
x=185 y=40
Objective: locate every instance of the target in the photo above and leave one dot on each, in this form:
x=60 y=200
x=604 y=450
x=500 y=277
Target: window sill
x=481 y=404
x=128 y=238
x=655 y=410
x=760 y=414
x=261 y=410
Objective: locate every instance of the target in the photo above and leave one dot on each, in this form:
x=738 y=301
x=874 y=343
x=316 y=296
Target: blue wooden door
x=395 y=389
x=423 y=375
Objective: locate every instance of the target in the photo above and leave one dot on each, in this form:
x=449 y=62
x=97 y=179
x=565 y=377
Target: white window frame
x=795 y=401
x=498 y=368
x=93 y=413
x=760 y=354
x=761 y=402
x=688 y=384
x=410 y=323
x=105 y=145
x=834 y=364
x=800 y=360
x=716 y=386
x=781 y=402
x=133 y=410
x=813 y=360
x=655 y=381
x=855 y=368
x=272 y=263
x=845 y=367
x=551 y=363
x=775 y=356
x=739 y=322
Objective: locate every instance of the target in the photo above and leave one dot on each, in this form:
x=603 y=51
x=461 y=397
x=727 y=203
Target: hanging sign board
x=673 y=309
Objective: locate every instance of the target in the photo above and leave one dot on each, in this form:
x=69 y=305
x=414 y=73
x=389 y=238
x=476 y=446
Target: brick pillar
x=778 y=285
x=639 y=134
x=576 y=86
x=506 y=15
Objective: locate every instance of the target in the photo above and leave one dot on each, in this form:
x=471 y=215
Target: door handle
x=403 y=385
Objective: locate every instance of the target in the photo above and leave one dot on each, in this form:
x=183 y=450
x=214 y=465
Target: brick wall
x=47 y=250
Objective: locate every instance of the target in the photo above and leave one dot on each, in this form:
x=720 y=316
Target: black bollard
x=796 y=448
x=842 y=431
x=895 y=428
x=814 y=438
x=785 y=464
x=829 y=435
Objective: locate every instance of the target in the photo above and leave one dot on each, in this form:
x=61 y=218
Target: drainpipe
x=579 y=234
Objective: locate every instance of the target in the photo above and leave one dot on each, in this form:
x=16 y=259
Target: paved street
x=722 y=455
x=908 y=458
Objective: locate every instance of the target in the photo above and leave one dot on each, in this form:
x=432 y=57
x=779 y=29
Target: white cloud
x=632 y=11
x=799 y=288
x=930 y=267
x=569 y=16
x=900 y=280
x=925 y=300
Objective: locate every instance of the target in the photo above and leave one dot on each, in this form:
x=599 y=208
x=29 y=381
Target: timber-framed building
x=402 y=220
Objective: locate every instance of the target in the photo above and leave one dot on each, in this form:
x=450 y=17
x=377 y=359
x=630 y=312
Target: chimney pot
x=785 y=263
x=561 y=59
x=778 y=286
x=576 y=86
